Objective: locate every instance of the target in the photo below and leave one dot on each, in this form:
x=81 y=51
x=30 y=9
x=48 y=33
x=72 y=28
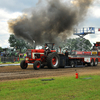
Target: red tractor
x=42 y=57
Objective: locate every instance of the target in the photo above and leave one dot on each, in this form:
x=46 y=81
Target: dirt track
x=15 y=72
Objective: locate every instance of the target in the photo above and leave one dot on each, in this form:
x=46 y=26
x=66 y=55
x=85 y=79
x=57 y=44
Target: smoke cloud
x=50 y=23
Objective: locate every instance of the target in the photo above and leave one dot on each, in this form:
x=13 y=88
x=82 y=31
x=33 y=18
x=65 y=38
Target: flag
x=98 y=29
x=91 y=28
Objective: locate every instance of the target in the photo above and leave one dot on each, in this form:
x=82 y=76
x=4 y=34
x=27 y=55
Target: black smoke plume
x=50 y=23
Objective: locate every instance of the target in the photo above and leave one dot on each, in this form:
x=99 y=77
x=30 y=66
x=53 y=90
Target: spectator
x=24 y=56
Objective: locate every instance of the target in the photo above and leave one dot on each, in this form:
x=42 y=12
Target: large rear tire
x=53 y=60
x=37 y=65
x=23 y=65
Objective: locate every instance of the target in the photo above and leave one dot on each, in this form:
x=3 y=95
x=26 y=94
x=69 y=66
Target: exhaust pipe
x=34 y=44
x=60 y=49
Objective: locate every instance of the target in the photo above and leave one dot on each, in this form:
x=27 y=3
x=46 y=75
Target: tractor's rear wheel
x=53 y=60
x=23 y=65
x=37 y=65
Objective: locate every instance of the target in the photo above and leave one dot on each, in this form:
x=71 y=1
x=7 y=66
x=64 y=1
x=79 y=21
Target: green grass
x=61 y=88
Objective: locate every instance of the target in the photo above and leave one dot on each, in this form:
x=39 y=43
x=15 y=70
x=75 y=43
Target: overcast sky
x=13 y=8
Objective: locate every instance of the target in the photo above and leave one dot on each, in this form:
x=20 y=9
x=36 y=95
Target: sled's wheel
x=23 y=65
x=96 y=62
x=37 y=65
x=91 y=63
x=53 y=60
x=72 y=64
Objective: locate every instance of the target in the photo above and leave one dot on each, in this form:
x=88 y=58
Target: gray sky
x=10 y=9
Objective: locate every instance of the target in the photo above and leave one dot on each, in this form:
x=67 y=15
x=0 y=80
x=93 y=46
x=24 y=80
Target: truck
x=54 y=59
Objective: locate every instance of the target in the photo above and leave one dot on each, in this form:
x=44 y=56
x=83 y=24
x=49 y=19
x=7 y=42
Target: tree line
x=70 y=44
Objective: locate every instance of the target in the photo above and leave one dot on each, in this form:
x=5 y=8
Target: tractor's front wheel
x=23 y=65
x=37 y=65
x=53 y=60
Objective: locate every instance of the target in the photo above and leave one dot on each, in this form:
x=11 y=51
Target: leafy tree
x=18 y=43
x=1 y=49
x=72 y=44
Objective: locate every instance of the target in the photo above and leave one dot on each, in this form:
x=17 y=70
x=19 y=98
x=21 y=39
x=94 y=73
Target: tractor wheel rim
x=92 y=63
x=72 y=65
x=96 y=62
x=54 y=61
x=38 y=65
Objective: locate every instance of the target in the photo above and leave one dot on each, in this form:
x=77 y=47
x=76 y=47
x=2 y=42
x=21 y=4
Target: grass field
x=61 y=88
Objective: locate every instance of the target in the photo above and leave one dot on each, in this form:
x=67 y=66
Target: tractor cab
x=96 y=47
x=49 y=45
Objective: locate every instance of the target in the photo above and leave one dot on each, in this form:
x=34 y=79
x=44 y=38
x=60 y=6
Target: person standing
x=24 y=56
x=66 y=53
x=67 y=59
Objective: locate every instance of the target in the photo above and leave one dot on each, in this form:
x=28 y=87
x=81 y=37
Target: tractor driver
x=47 y=50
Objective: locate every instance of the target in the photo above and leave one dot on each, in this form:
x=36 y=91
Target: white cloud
x=4 y=33
x=95 y=11
x=5 y=15
x=3 y=27
x=93 y=38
